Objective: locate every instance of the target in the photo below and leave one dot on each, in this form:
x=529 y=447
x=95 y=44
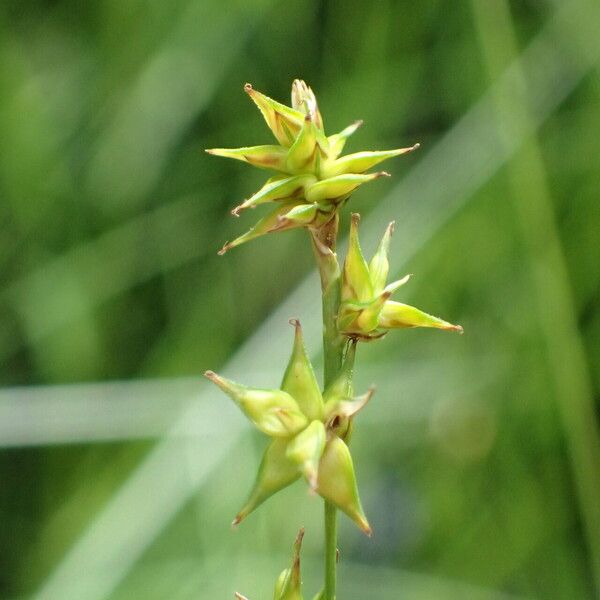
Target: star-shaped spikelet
x=366 y=311
x=307 y=430
x=312 y=180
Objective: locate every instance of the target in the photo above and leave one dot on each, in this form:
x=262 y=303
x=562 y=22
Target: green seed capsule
x=337 y=482
x=299 y=380
x=360 y=162
x=276 y=472
x=284 y=122
x=366 y=311
x=398 y=316
x=263 y=157
x=274 y=412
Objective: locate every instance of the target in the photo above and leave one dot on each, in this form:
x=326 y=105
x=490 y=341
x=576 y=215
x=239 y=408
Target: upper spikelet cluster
x=312 y=179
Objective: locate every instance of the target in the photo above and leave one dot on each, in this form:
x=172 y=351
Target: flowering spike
x=337 y=482
x=268 y=224
x=366 y=311
x=289 y=583
x=264 y=157
x=338 y=140
x=277 y=188
x=362 y=161
x=284 y=122
x=379 y=265
x=304 y=149
x=339 y=187
x=299 y=380
x=276 y=472
x=274 y=412
x=306 y=450
x=356 y=282
x=396 y=316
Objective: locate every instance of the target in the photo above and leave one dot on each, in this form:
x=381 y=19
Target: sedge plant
x=309 y=425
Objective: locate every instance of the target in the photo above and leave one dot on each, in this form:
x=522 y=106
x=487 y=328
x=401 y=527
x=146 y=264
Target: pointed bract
x=379 y=266
x=360 y=162
x=337 y=141
x=268 y=224
x=299 y=380
x=289 y=582
x=284 y=122
x=397 y=316
x=347 y=409
x=277 y=188
x=356 y=281
x=337 y=482
x=274 y=412
x=339 y=187
x=276 y=472
x=264 y=157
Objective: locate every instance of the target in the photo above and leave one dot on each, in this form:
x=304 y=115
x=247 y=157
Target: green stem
x=330 y=551
x=333 y=348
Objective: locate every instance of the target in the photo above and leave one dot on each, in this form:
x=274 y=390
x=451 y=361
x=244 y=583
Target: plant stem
x=324 y=242
x=330 y=550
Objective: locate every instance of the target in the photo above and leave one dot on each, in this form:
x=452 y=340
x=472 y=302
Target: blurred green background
x=479 y=459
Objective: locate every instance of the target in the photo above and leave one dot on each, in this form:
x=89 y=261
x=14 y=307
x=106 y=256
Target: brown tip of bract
x=366 y=528
x=210 y=151
x=458 y=329
x=382 y=174
x=391 y=227
x=295 y=323
x=355 y=218
x=248 y=88
x=224 y=249
x=210 y=375
x=415 y=147
x=239 y=596
x=238 y=519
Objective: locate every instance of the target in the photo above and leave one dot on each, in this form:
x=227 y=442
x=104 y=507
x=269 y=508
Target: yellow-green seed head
x=312 y=180
x=302 y=425
x=366 y=311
